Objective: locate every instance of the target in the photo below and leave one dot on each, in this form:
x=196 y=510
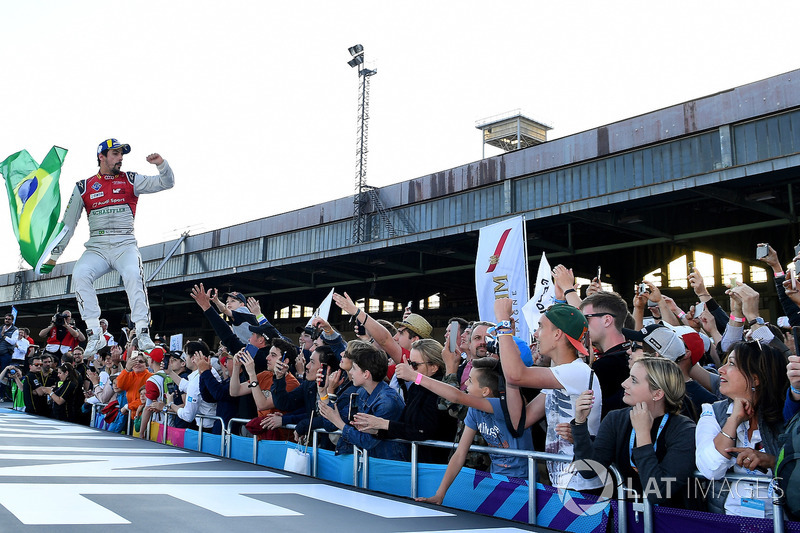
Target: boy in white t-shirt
x=560 y=335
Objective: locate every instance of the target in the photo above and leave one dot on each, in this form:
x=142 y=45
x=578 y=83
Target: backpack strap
x=519 y=429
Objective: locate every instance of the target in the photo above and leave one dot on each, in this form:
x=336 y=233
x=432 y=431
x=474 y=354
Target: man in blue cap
x=110 y=198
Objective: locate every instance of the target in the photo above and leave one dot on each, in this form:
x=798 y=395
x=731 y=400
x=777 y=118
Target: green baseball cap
x=571 y=321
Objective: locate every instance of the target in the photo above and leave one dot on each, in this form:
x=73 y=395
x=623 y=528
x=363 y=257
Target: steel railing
x=361 y=464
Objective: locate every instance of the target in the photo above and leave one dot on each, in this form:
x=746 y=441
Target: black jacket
x=423 y=420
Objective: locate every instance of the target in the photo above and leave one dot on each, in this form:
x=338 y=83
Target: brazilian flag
x=34 y=198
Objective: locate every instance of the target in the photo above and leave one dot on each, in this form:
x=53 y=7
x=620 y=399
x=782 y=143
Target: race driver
x=110 y=198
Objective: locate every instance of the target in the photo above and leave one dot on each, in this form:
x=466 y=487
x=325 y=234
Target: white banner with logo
x=544 y=295
x=501 y=270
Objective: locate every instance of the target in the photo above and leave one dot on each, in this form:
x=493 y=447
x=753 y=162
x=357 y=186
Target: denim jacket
x=384 y=402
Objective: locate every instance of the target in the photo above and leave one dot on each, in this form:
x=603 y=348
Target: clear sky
x=254 y=105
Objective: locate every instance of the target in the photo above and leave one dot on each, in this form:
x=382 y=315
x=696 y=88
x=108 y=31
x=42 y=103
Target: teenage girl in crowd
x=650 y=440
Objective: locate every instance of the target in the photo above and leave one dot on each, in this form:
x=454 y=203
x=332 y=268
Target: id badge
x=754 y=505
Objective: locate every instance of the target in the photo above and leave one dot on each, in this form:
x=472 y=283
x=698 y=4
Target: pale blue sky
x=253 y=103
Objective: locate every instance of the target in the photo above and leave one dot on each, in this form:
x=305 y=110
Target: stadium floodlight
x=357 y=60
x=356 y=50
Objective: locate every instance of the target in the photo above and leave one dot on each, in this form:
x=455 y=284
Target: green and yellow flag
x=34 y=199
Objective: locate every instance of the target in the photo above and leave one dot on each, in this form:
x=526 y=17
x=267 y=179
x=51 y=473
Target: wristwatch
x=252 y=384
x=504 y=324
x=757 y=320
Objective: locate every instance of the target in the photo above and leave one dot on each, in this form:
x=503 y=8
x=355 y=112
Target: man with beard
x=110 y=199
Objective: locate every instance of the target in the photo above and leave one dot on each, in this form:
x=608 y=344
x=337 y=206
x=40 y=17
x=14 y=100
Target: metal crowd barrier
x=778 y=501
x=533 y=473
x=200 y=431
x=227 y=438
x=361 y=462
x=95 y=407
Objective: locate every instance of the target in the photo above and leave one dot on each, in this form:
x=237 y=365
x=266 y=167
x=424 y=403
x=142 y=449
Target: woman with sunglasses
x=421 y=418
x=648 y=441
x=68 y=396
x=740 y=433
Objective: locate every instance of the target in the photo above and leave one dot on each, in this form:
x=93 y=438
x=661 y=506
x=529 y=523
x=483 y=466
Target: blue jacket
x=297 y=403
x=343 y=392
x=384 y=402
x=219 y=392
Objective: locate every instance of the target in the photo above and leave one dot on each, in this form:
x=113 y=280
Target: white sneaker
x=144 y=341
x=95 y=343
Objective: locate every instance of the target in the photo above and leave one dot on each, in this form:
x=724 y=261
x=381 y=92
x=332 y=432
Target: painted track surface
x=69 y=478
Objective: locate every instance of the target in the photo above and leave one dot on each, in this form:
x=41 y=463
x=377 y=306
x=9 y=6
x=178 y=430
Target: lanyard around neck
x=655 y=443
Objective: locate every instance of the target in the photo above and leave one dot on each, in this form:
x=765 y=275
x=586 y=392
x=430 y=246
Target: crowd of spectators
x=657 y=391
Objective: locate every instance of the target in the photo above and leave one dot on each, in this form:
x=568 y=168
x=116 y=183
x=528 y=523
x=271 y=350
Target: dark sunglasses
x=590 y=315
x=414 y=364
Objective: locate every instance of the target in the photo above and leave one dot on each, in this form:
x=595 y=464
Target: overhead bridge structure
x=718 y=174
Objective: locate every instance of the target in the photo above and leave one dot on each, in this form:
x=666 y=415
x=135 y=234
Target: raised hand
x=583 y=406
x=253 y=306
x=345 y=303
x=404 y=371
x=201 y=296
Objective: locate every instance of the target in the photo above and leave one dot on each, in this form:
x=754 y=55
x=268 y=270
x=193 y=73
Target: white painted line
x=67 y=504
x=91 y=450
x=123 y=467
x=48 y=436
x=366 y=503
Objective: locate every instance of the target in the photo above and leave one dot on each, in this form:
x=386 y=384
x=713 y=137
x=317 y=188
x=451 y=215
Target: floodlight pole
x=359 y=216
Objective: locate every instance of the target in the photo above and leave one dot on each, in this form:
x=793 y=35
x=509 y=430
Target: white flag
x=501 y=270
x=544 y=295
x=323 y=310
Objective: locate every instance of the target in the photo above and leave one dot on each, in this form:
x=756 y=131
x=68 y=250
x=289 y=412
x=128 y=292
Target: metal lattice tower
x=359 y=197
x=19 y=280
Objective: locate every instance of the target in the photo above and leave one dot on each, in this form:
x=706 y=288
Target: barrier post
x=622 y=507
x=365 y=471
x=778 y=501
x=647 y=513
x=200 y=435
x=314 y=441
x=356 y=453
x=95 y=407
x=166 y=426
x=229 y=437
x=414 y=467
x=533 y=473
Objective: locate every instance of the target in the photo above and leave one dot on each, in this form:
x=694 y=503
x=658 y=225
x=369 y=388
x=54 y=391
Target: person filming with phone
x=374 y=397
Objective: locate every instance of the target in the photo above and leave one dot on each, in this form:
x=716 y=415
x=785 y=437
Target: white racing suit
x=110 y=203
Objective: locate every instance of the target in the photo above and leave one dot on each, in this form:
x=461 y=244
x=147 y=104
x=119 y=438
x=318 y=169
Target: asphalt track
x=63 y=477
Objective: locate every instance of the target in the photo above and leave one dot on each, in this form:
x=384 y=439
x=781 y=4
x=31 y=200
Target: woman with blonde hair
x=648 y=442
x=421 y=419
